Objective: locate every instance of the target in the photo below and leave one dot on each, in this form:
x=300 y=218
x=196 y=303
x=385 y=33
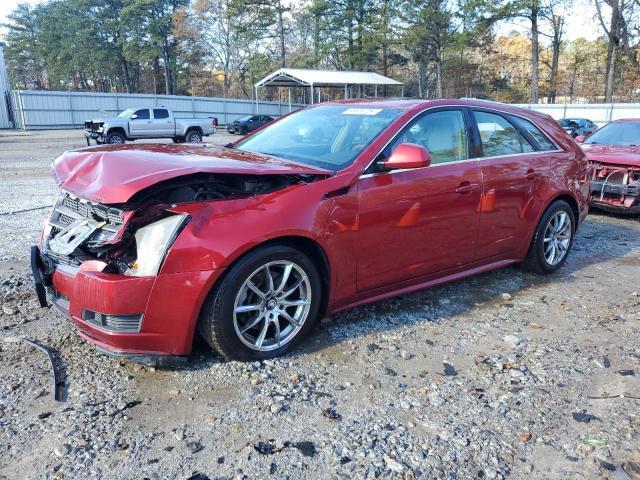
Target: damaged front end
x=94 y=129
x=132 y=238
x=615 y=188
x=101 y=264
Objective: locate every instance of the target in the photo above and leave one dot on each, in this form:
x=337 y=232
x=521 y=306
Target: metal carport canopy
x=296 y=77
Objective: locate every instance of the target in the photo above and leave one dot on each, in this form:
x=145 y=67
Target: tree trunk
x=125 y=75
x=283 y=54
x=558 y=28
x=534 y=98
x=166 y=71
x=439 y=77
x=612 y=51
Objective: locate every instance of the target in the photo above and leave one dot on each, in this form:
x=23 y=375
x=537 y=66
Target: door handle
x=531 y=174
x=467 y=187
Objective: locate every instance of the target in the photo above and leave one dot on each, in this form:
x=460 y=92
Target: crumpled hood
x=114 y=173
x=614 y=154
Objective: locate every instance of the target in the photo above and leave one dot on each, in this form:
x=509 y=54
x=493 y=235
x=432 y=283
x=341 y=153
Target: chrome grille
x=69 y=209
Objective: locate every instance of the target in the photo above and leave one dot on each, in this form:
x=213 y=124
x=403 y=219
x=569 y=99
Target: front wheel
x=115 y=138
x=266 y=303
x=552 y=239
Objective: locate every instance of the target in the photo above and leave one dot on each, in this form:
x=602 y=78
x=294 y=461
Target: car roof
x=627 y=120
x=415 y=103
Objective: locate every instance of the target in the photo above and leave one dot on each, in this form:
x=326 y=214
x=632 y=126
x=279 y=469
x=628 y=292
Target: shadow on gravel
x=601 y=238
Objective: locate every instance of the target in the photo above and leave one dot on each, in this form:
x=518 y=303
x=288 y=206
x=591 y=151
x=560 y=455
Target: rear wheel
x=266 y=303
x=194 y=136
x=552 y=239
x=115 y=138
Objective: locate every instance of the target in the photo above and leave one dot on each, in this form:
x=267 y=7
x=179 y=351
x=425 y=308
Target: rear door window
x=541 y=139
x=160 y=113
x=498 y=136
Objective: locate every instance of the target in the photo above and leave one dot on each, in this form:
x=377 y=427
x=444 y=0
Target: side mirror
x=133 y=117
x=408 y=155
x=581 y=138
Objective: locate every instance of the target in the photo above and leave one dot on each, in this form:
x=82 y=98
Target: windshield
x=244 y=119
x=127 y=113
x=623 y=133
x=328 y=137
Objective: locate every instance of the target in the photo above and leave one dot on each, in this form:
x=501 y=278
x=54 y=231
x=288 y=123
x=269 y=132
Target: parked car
x=139 y=123
x=248 y=124
x=250 y=243
x=614 y=153
x=578 y=126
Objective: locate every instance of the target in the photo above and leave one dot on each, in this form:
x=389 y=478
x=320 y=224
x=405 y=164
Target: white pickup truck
x=139 y=123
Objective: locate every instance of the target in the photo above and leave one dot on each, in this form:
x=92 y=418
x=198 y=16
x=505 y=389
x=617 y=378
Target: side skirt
x=380 y=293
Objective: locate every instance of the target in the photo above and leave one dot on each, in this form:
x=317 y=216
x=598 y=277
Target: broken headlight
x=152 y=243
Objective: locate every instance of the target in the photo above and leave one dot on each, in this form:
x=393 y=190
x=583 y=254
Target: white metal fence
x=599 y=113
x=36 y=109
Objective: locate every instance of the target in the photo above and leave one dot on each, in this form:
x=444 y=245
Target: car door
x=163 y=124
x=253 y=123
x=420 y=221
x=514 y=174
x=140 y=123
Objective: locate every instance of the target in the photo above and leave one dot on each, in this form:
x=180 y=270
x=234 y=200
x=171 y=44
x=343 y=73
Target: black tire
x=536 y=260
x=178 y=139
x=115 y=138
x=244 y=131
x=193 y=136
x=216 y=322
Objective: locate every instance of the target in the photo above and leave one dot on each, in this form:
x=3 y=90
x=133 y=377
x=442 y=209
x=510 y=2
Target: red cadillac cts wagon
x=327 y=208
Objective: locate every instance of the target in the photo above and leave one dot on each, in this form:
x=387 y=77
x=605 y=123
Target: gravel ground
x=505 y=375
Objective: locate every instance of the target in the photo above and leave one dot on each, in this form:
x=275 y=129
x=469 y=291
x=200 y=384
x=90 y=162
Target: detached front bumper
x=147 y=319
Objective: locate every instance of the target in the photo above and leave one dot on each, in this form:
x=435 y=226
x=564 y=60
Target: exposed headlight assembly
x=152 y=243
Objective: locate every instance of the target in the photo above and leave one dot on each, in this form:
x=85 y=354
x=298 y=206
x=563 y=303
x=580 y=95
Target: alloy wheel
x=194 y=137
x=272 y=306
x=557 y=237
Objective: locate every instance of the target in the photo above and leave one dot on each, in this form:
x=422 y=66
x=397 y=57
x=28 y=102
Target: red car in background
x=614 y=154
x=325 y=209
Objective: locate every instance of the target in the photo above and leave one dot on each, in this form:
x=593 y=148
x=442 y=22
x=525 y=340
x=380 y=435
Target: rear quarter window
x=541 y=139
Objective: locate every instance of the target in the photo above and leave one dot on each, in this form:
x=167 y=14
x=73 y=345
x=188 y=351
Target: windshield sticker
x=362 y=111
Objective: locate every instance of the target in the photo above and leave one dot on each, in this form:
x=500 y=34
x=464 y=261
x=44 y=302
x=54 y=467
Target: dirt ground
x=504 y=375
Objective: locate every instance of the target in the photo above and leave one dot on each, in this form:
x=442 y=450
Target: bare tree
x=623 y=29
x=556 y=21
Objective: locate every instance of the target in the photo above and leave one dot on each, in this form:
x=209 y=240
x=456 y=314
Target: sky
x=580 y=19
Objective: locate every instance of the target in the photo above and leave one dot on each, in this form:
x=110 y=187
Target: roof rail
x=479 y=99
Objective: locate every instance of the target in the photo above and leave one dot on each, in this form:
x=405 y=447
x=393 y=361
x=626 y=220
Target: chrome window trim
x=366 y=175
x=478 y=159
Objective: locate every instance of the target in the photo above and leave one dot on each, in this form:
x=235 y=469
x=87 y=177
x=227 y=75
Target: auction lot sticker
x=362 y=111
